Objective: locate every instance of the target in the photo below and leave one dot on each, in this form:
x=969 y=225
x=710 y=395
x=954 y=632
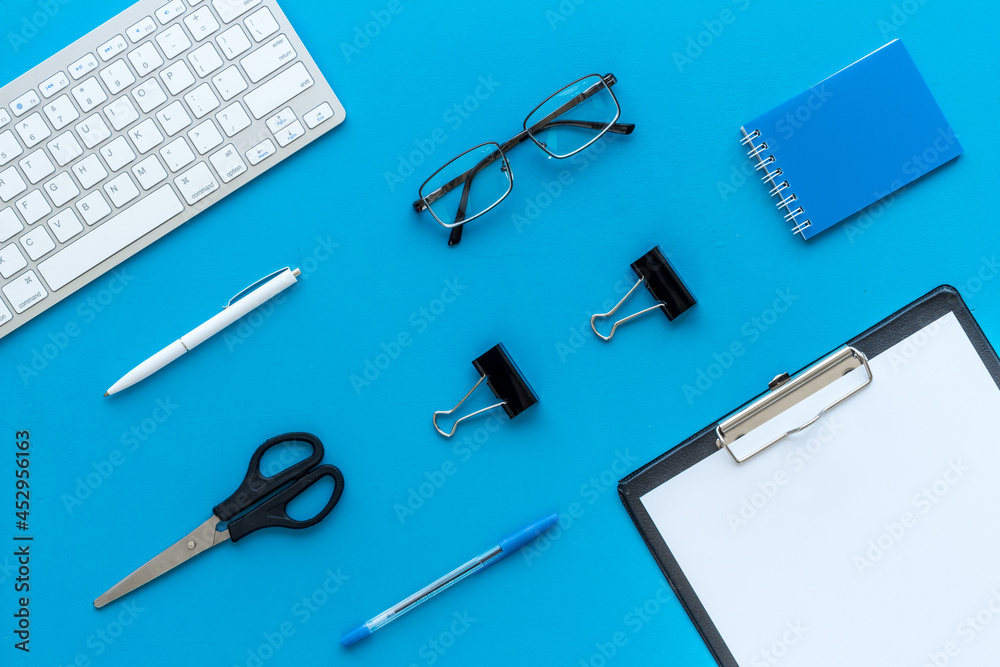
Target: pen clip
x=251 y=287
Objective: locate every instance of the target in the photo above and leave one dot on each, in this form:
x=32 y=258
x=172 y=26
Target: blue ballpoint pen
x=507 y=546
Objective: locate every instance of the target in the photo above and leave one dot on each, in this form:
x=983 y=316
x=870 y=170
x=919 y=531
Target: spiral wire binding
x=786 y=200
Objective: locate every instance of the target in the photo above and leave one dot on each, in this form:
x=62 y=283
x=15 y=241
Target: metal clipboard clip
x=785 y=392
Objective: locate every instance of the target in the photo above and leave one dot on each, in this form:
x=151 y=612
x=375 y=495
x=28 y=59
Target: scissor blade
x=201 y=538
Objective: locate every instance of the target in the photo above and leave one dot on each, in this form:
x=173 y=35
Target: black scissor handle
x=274 y=512
x=256 y=486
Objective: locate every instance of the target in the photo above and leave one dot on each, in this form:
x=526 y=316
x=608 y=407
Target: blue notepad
x=850 y=140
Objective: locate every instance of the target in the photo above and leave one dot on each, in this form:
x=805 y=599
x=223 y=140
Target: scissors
x=259 y=502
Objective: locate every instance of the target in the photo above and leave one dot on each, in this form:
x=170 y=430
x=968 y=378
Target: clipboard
x=858 y=519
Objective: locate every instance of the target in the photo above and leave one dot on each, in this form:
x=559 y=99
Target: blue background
x=371 y=265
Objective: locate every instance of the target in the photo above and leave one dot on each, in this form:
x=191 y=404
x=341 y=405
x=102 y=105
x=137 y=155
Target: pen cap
x=515 y=541
x=664 y=283
x=505 y=380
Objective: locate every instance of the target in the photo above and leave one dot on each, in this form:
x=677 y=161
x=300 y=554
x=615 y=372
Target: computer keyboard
x=136 y=127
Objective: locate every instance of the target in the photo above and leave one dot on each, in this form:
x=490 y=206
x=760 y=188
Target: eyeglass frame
x=425 y=201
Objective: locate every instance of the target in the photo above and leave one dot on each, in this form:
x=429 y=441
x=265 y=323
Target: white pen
x=234 y=310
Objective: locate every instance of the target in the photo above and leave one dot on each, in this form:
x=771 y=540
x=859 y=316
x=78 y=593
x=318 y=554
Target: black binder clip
x=504 y=380
x=662 y=282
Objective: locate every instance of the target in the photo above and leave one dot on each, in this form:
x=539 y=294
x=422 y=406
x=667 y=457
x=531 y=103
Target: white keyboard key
x=11 y=184
x=121 y=113
x=205 y=137
x=94 y=208
x=233 y=42
x=121 y=189
x=261 y=151
x=230 y=10
x=83 y=66
x=37 y=243
x=89 y=171
x=141 y=29
x=201 y=23
x=4 y=117
x=62 y=189
x=119 y=232
x=25 y=103
x=268 y=58
x=229 y=82
x=61 y=112
x=146 y=136
x=145 y=59
x=202 y=100
x=33 y=130
x=279 y=120
x=232 y=119
x=228 y=163
x=33 y=207
x=289 y=133
x=149 y=95
x=177 y=77
x=261 y=24
x=65 y=225
x=10 y=224
x=177 y=154
x=11 y=260
x=205 y=60
x=149 y=172
x=25 y=292
x=5 y=314
x=173 y=41
x=117 y=76
x=9 y=147
x=111 y=48
x=196 y=183
x=321 y=113
x=173 y=118
x=118 y=153
x=89 y=94
x=36 y=166
x=93 y=131
x=54 y=84
x=169 y=11
x=278 y=91
x=65 y=148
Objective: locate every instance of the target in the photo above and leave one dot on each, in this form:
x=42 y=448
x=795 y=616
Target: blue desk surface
x=116 y=480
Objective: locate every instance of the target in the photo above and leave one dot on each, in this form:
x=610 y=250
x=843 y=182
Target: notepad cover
x=854 y=138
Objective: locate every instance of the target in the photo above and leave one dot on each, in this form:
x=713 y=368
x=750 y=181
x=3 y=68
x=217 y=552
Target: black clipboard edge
x=898 y=326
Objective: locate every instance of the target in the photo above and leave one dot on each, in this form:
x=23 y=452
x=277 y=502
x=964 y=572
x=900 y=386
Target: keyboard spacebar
x=125 y=228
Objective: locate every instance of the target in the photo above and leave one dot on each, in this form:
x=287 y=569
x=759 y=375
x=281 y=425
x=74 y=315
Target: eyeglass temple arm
x=543 y=124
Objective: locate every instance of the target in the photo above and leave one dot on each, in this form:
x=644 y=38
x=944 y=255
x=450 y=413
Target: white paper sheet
x=872 y=538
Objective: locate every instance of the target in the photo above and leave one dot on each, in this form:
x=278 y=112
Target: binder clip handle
x=663 y=283
x=505 y=381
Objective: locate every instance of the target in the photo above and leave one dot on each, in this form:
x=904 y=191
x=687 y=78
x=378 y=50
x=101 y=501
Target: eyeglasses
x=567 y=122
